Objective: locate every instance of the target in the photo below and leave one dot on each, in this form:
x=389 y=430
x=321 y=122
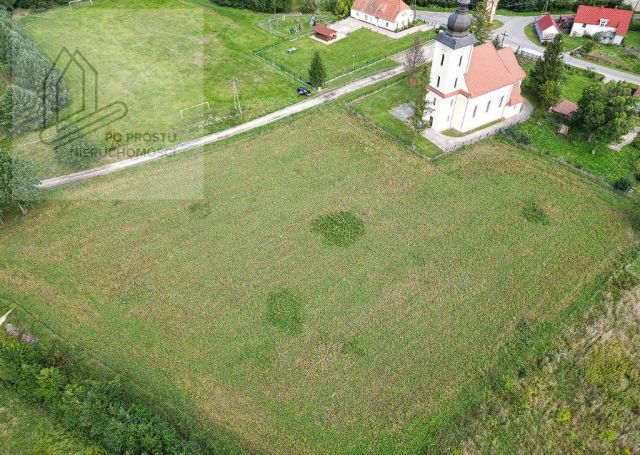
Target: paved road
x=514 y=27
x=261 y=121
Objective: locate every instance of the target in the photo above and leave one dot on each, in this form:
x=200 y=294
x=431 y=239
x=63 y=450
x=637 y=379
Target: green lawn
x=359 y=48
x=158 y=60
x=26 y=429
x=206 y=280
x=376 y=108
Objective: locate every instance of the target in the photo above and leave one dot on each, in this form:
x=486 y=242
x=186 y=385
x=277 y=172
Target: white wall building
x=471 y=86
x=391 y=15
x=610 y=25
x=546 y=28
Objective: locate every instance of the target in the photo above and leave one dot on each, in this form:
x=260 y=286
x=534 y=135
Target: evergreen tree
x=317 y=71
x=419 y=104
x=549 y=68
x=481 y=25
x=5 y=183
x=24 y=190
x=342 y=8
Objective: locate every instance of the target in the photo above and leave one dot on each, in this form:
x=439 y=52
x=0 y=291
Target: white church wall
x=484 y=109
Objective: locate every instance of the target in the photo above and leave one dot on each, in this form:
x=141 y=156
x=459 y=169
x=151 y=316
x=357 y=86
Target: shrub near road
x=228 y=306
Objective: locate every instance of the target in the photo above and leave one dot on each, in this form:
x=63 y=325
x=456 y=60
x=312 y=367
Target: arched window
x=442 y=60
x=475 y=110
x=488 y=105
x=455 y=83
x=501 y=100
x=438 y=82
x=460 y=62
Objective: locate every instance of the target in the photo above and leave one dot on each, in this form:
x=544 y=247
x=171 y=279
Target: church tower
x=451 y=59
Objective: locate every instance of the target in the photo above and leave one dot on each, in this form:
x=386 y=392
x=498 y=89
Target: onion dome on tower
x=458 y=25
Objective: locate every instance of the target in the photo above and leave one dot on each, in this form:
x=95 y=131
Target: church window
x=455 y=83
x=442 y=60
x=438 y=82
x=488 y=106
x=501 y=100
x=475 y=109
x=460 y=62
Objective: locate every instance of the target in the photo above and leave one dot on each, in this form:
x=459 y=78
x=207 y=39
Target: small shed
x=546 y=28
x=564 y=108
x=325 y=33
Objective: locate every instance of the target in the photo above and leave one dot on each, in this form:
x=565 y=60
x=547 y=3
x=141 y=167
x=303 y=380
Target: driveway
x=514 y=27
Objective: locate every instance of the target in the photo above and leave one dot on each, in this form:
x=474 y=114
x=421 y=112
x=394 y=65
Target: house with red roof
x=471 y=86
x=609 y=25
x=546 y=28
x=391 y=15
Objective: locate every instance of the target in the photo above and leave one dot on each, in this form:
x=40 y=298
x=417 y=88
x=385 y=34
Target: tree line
x=530 y=5
x=36 y=92
x=96 y=409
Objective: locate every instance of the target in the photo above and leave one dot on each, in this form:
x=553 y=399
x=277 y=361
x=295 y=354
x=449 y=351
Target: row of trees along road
x=605 y=112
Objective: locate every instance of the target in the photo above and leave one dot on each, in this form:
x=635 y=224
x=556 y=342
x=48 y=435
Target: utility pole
x=236 y=98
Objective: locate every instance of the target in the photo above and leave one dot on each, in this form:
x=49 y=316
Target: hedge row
x=34 y=4
x=265 y=6
x=37 y=90
x=96 y=409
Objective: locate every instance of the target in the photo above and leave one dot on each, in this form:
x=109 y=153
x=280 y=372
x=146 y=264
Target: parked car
x=302 y=91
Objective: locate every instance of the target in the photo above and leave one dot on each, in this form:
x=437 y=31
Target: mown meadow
x=313 y=290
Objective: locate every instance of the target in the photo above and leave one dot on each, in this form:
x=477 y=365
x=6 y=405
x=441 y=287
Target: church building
x=471 y=86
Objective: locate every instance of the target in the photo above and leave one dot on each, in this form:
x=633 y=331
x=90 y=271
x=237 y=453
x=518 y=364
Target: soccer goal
x=78 y=2
x=197 y=110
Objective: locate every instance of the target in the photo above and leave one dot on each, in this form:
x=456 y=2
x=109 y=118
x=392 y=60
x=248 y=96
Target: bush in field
x=97 y=409
x=73 y=148
x=21 y=110
x=623 y=185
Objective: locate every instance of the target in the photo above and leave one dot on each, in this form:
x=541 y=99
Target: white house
x=471 y=86
x=607 y=24
x=546 y=28
x=388 y=14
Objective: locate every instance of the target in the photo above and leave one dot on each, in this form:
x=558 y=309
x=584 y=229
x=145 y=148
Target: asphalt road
x=514 y=27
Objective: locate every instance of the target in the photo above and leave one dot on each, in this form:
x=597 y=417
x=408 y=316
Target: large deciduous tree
x=18 y=183
x=414 y=58
x=606 y=112
x=548 y=72
x=317 y=71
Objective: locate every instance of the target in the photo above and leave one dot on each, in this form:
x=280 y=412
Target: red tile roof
x=564 y=107
x=386 y=10
x=546 y=22
x=490 y=69
x=324 y=31
x=618 y=18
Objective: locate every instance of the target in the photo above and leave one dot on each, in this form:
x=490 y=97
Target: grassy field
x=358 y=49
x=26 y=429
x=158 y=57
x=376 y=108
x=314 y=290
